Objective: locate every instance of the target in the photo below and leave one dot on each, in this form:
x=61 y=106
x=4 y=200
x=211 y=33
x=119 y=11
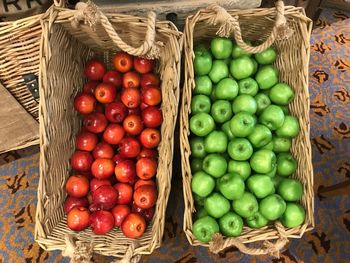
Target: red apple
x=152 y=117
x=72 y=202
x=131 y=80
x=84 y=103
x=146 y=168
x=89 y=87
x=116 y=112
x=125 y=171
x=86 y=141
x=102 y=168
x=124 y=193
x=123 y=62
x=81 y=161
x=105 y=196
x=135 y=111
x=101 y=222
x=129 y=147
x=94 y=69
x=118 y=158
x=133 y=226
x=149 y=79
x=148 y=153
x=145 y=196
x=151 y=95
x=105 y=93
x=150 y=138
x=143 y=65
x=119 y=213
x=103 y=150
x=113 y=134
x=96 y=183
x=95 y=122
x=113 y=77
x=143 y=106
x=141 y=182
x=77 y=186
x=78 y=218
x=132 y=124
x=131 y=97
x=147 y=213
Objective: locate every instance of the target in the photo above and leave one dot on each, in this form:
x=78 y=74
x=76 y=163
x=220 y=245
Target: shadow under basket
x=292 y=61
x=65 y=50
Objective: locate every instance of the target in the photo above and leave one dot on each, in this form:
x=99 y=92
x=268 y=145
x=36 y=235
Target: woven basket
x=19 y=56
x=67 y=43
x=288 y=30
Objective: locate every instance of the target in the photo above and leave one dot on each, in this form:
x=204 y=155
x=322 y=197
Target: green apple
x=200 y=103
x=256 y=66
x=277 y=180
x=197 y=147
x=215 y=142
x=286 y=164
x=242 y=124
x=196 y=165
x=268 y=146
x=248 y=86
x=202 y=124
x=204 y=228
x=231 y=186
x=272 y=173
x=290 y=127
x=272 y=207
x=260 y=185
x=267 y=77
x=203 y=61
x=238 y=52
x=198 y=200
x=245 y=103
x=263 y=161
x=221 y=111
x=216 y=205
x=246 y=206
x=202 y=184
x=212 y=95
x=218 y=71
x=293 y=216
x=227 y=130
x=203 y=85
x=281 y=144
x=226 y=89
x=290 y=189
x=231 y=224
x=221 y=47
x=215 y=165
x=257 y=221
x=281 y=94
x=201 y=213
x=260 y=136
x=240 y=149
x=262 y=101
x=272 y=117
x=242 y=168
x=242 y=67
x=268 y=56
x=285 y=109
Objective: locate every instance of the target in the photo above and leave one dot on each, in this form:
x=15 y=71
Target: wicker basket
x=288 y=30
x=19 y=56
x=66 y=45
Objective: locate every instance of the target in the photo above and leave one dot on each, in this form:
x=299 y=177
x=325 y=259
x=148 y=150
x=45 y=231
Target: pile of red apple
x=115 y=161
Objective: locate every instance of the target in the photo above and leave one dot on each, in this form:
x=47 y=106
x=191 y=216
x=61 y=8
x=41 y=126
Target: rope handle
x=218 y=243
x=59 y=3
x=230 y=23
x=91 y=15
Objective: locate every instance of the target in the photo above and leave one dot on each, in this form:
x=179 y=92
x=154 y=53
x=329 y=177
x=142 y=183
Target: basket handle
x=90 y=14
x=218 y=243
x=231 y=23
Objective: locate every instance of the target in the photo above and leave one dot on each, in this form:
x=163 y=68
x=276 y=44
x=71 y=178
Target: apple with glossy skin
x=202 y=124
x=84 y=103
x=260 y=136
x=227 y=130
x=145 y=196
x=146 y=168
x=78 y=218
x=286 y=164
x=240 y=149
x=119 y=213
x=218 y=71
x=116 y=112
x=215 y=165
x=72 y=202
x=215 y=142
x=242 y=168
x=103 y=150
x=200 y=103
x=293 y=216
x=281 y=94
x=197 y=147
x=81 y=161
x=246 y=206
x=86 y=141
x=150 y=138
x=272 y=207
x=242 y=67
x=113 y=134
x=248 y=86
x=260 y=185
x=94 y=69
x=105 y=196
x=105 y=93
x=146 y=213
x=290 y=127
x=133 y=226
x=101 y=222
x=242 y=124
x=131 y=80
x=149 y=79
x=263 y=161
x=262 y=101
x=202 y=184
x=221 y=47
x=125 y=171
x=257 y=221
x=148 y=153
x=204 y=228
x=89 y=87
x=244 y=102
x=216 y=205
x=113 y=77
x=267 y=77
x=268 y=56
x=226 y=89
x=221 y=111
x=203 y=61
x=281 y=144
x=143 y=65
x=272 y=117
x=125 y=192
x=131 y=98
x=290 y=189
x=231 y=186
x=123 y=62
x=96 y=183
x=132 y=124
x=129 y=147
x=231 y=224
x=152 y=95
x=203 y=85
x=141 y=182
x=95 y=122
x=152 y=117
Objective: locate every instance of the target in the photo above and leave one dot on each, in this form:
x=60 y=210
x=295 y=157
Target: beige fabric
x=17 y=129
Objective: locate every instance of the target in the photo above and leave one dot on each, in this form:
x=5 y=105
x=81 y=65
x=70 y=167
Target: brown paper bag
x=18 y=129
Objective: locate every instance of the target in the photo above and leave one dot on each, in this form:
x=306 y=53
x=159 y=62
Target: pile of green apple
x=241 y=135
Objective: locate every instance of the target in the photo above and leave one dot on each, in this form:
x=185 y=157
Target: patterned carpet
x=330 y=133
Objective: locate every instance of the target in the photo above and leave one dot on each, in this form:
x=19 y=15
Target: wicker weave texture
x=64 y=50
x=292 y=62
